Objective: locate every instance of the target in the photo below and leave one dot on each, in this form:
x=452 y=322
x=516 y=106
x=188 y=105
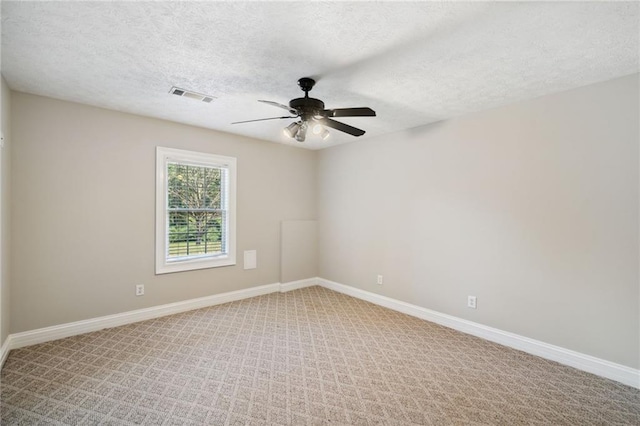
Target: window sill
x=194 y=264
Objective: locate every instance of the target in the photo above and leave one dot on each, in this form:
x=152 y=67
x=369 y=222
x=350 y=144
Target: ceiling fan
x=311 y=113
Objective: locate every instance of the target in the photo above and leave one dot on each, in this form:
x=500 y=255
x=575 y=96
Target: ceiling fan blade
x=340 y=126
x=260 y=119
x=276 y=104
x=349 y=112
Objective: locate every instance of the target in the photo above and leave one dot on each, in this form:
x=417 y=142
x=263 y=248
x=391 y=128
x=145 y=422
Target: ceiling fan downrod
x=307 y=107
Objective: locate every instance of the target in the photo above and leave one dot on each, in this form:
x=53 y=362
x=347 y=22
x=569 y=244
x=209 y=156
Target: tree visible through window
x=197 y=213
x=195 y=210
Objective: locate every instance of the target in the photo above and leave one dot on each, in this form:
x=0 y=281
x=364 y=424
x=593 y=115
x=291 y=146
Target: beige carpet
x=307 y=357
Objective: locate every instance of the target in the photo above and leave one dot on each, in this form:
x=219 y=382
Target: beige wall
x=532 y=208
x=5 y=203
x=299 y=259
x=83 y=210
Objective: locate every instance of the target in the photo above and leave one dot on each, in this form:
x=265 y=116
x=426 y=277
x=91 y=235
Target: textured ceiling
x=414 y=63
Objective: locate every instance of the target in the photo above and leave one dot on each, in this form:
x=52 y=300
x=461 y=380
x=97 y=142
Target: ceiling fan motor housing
x=307 y=107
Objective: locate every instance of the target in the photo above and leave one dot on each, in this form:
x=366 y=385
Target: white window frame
x=163 y=157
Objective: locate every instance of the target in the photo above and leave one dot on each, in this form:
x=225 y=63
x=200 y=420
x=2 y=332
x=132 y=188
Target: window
x=195 y=210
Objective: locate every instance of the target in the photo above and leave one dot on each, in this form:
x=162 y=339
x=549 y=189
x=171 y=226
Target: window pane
x=195 y=234
x=194 y=187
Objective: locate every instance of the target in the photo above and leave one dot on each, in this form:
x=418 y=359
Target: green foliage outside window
x=196 y=210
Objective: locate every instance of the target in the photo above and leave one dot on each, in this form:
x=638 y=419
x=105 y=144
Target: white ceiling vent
x=193 y=95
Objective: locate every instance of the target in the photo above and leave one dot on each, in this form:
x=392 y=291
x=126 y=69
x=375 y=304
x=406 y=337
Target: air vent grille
x=193 y=95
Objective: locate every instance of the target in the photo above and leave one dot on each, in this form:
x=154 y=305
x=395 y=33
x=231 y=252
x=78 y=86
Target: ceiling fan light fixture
x=318 y=129
x=292 y=130
x=302 y=132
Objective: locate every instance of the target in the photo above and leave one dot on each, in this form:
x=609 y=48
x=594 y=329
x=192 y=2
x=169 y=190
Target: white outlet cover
x=471 y=302
x=250 y=259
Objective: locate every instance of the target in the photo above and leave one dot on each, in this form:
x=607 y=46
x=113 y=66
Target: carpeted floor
x=310 y=356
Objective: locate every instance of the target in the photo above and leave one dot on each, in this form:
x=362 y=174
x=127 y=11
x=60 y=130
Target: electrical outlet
x=379 y=279
x=471 y=302
x=140 y=290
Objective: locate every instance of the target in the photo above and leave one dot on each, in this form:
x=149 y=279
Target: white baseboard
x=610 y=370
x=295 y=285
x=4 y=350
x=55 y=332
